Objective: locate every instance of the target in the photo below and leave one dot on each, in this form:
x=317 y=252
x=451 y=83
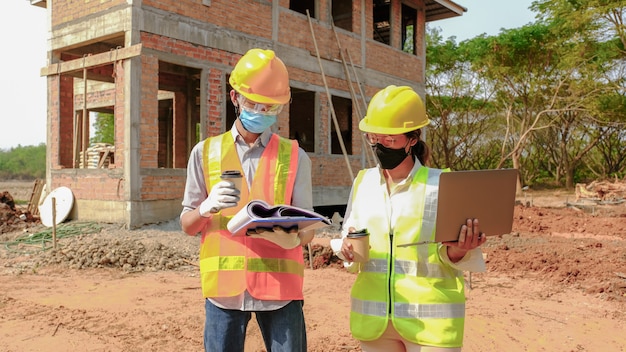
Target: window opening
x=409 y=22
x=302 y=118
x=342 y=14
x=102 y=126
x=178 y=114
x=382 y=24
x=93 y=93
x=166 y=130
x=82 y=153
x=302 y=5
x=343 y=112
x=101 y=151
x=230 y=107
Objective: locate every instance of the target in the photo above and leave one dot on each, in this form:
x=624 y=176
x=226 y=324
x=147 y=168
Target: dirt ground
x=556 y=283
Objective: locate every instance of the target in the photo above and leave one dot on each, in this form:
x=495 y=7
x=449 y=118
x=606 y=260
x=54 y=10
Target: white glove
x=223 y=195
x=335 y=245
x=283 y=237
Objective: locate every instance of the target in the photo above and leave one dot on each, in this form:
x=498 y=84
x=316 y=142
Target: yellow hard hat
x=394 y=110
x=261 y=77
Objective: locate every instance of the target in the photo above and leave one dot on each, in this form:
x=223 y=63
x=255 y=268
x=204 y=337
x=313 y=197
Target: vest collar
x=416 y=166
x=264 y=137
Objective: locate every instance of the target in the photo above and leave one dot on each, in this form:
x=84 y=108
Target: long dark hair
x=420 y=149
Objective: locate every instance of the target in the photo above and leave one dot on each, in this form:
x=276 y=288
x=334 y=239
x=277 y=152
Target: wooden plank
x=103 y=158
x=35 y=196
x=92 y=61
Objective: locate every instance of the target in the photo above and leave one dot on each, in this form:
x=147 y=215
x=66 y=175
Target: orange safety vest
x=231 y=264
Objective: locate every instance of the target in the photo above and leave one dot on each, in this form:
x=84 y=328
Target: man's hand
x=306 y=236
x=284 y=237
x=223 y=195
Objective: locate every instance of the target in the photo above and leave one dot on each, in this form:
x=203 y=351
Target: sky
x=23 y=90
x=485 y=16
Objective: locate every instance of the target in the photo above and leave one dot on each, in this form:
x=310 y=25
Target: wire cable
x=42 y=240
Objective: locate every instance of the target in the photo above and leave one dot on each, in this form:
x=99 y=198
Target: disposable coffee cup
x=360 y=241
x=233 y=176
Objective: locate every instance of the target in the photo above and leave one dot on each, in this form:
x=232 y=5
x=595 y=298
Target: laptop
x=486 y=195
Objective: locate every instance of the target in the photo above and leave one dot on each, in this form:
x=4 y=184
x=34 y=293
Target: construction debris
x=13 y=217
x=99 y=155
x=602 y=192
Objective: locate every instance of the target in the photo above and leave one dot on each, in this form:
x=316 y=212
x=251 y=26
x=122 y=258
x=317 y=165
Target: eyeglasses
x=373 y=138
x=258 y=108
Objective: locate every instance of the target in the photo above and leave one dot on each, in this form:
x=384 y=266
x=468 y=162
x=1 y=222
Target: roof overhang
x=40 y=3
x=442 y=9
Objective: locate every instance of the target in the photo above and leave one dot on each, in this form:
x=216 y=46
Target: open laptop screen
x=486 y=195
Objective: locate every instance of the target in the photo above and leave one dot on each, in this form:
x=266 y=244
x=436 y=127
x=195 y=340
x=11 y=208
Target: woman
x=405 y=298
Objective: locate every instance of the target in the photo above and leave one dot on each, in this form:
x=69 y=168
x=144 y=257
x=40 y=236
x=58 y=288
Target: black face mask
x=389 y=158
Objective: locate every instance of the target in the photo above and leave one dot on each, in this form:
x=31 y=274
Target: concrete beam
x=92 y=61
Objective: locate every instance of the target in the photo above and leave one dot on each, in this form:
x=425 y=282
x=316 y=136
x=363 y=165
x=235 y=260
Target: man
x=244 y=274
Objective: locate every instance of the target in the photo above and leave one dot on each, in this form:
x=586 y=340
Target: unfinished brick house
x=162 y=67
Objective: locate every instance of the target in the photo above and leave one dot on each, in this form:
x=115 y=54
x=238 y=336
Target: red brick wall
x=69 y=10
x=215 y=95
x=120 y=107
x=180 y=131
x=53 y=112
x=149 y=137
x=100 y=186
x=65 y=122
x=356 y=16
x=157 y=187
x=333 y=171
x=252 y=17
x=381 y=57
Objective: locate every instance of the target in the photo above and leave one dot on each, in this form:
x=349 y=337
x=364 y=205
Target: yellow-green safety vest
x=409 y=286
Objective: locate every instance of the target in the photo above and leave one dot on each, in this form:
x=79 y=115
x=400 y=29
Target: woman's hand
x=346 y=248
x=470 y=238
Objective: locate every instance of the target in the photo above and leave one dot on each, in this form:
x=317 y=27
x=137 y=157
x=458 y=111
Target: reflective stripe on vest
x=231 y=264
x=415 y=311
x=410 y=286
x=405 y=267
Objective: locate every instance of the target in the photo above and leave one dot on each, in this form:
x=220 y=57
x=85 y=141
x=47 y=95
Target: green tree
x=603 y=20
x=549 y=98
x=104 y=129
x=457 y=101
x=590 y=37
x=542 y=86
x=25 y=163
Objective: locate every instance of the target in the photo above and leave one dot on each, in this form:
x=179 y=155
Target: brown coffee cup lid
x=231 y=174
x=358 y=233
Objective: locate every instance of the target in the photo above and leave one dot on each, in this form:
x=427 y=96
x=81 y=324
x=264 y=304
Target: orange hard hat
x=394 y=110
x=261 y=77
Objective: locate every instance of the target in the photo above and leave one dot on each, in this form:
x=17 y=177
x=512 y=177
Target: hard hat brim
x=257 y=98
x=365 y=127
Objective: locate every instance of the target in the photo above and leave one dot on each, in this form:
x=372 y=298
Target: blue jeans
x=283 y=330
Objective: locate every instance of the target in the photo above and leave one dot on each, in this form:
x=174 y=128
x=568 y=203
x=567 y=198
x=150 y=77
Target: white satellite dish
x=63 y=199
